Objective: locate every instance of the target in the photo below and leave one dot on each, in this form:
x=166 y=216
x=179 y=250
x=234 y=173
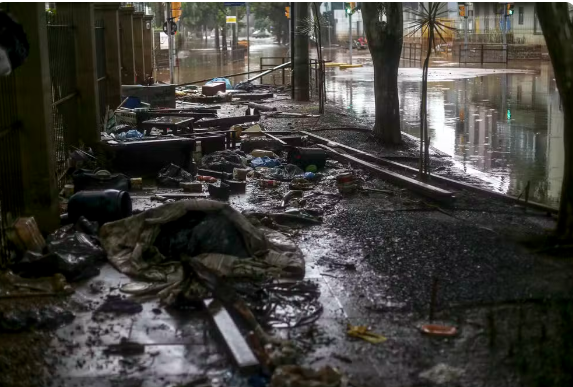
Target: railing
x=411 y=52
x=275 y=61
x=61 y=44
x=482 y=53
x=11 y=198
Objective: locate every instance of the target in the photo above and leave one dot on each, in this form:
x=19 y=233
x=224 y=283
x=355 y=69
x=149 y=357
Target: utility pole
x=170 y=41
x=466 y=29
x=503 y=32
x=349 y=36
x=248 y=42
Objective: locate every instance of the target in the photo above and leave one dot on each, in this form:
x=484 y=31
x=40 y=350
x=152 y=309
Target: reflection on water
x=505 y=127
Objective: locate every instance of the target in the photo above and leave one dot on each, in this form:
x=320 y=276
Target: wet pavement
x=503 y=126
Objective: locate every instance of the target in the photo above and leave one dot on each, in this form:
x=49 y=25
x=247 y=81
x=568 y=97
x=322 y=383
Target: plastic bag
x=224 y=161
x=264 y=162
x=72 y=251
x=172 y=175
x=132 y=133
x=286 y=172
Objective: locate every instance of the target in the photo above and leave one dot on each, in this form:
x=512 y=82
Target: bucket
x=303 y=157
x=99 y=206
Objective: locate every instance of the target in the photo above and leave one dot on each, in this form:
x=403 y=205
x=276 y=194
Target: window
x=520 y=15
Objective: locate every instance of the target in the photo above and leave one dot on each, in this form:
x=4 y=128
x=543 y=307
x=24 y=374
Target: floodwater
x=504 y=126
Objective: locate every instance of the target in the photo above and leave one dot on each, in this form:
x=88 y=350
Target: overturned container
x=100 y=206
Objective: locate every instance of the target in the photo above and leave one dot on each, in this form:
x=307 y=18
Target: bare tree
x=558 y=31
x=385 y=39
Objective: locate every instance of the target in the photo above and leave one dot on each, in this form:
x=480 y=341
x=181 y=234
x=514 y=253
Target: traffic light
x=287 y=12
x=347 y=9
x=462 y=10
x=509 y=9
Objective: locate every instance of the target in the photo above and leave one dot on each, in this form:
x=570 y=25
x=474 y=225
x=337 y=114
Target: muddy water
x=504 y=127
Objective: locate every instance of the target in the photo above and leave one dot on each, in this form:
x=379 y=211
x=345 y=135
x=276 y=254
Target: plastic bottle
x=208 y=179
x=269 y=183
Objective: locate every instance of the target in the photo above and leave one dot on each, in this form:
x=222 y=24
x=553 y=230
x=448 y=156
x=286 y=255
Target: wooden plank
x=275 y=138
x=414 y=185
x=261 y=107
x=436 y=178
x=253 y=96
x=236 y=344
x=225 y=122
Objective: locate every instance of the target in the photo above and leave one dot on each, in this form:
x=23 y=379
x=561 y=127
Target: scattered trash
x=311 y=168
x=118 y=305
x=125 y=348
x=221 y=192
x=301 y=184
x=237 y=187
x=226 y=81
x=207 y=179
x=68 y=191
x=132 y=133
x=304 y=157
x=269 y=183
x=98 y=180
x=364 y=333
x=264 y=162
x=172 y=175
x=136 y=183
x=192 y=186
x=286 y=172
x=294 y=375
x=289 y=195
x=346 y=183
x=73 y=251
x=240 y=174
x=14 y=286
x=225 y=161
x=439 y=330
x=309 y=175
x=263 y=153
x=26 y=235
x=99 y=206
x=46 y=317
x=442 y=374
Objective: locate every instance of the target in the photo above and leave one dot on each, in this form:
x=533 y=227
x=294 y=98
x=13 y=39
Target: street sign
x=173 y=28
x=237 y=4
x=231 y=20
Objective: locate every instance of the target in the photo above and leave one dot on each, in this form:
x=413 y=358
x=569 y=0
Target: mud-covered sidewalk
x=384 y=258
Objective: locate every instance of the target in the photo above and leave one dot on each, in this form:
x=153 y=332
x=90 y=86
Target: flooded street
x=503 y=126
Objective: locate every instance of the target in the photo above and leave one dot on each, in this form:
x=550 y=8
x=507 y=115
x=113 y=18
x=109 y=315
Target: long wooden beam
x=435 y=178
x=414 y=185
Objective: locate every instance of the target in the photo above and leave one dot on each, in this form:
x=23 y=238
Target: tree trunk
x=301 y=67
x=558 y=31
x=217 y=44
x=224 y=37
x=385 y=44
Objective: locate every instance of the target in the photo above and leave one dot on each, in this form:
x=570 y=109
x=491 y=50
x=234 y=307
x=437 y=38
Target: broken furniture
x=147 y=156
x=175 y=124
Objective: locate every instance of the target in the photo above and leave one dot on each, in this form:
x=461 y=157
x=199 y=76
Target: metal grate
x=61 y=44
x=101 y=66
x=11 y=198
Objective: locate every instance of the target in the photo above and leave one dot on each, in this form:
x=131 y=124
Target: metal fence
x=275 y=78
x=101 y=66
x=411 y=51
x=61 y=44
x=482 y=53
x=11 y=198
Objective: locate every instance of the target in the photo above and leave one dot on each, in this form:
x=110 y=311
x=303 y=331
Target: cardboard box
x=213 y=88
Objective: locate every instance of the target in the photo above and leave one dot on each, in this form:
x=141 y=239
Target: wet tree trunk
x=558 y=31
x=224 y=37
x=385 y=44
x=217 y=44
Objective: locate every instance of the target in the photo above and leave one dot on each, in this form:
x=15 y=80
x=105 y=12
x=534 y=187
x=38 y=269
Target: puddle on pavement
x=505 y=128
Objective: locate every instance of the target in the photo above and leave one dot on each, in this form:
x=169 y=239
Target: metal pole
x=350 y=36
x=503 y=28
x=291 y=45
x=248 y=42
x=170 y=41
x=466 y=31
